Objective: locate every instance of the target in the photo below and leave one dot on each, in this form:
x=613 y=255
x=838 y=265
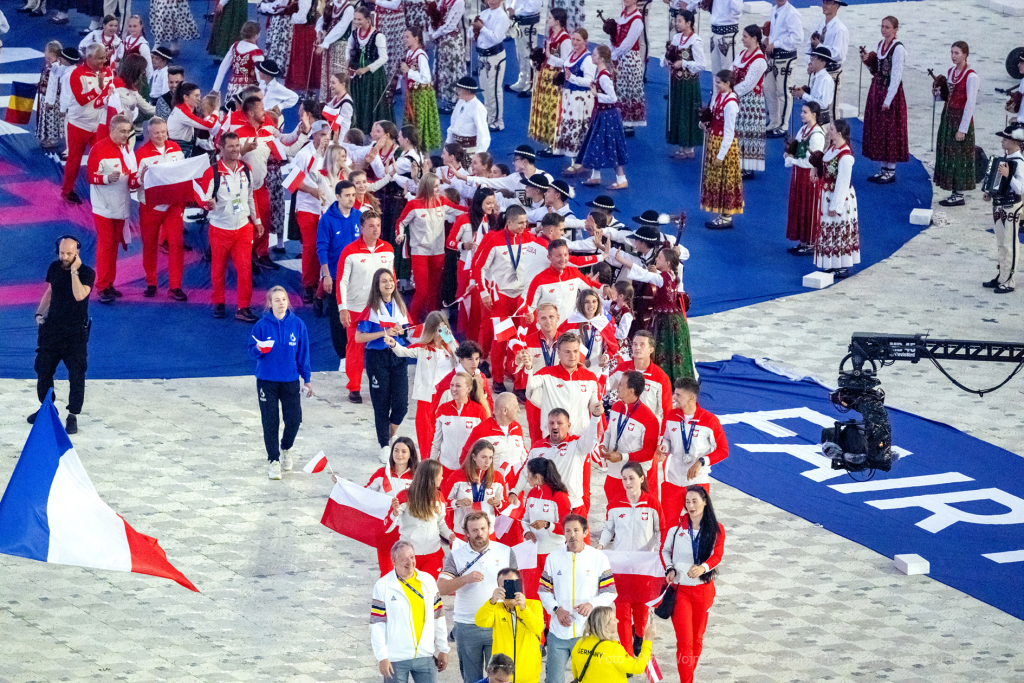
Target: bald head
x=506 y=408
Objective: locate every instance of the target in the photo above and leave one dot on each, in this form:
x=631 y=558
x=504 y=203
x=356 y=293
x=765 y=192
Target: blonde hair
x=477 y=394
x=210 y=103
x=270 y=296
x=427 y=190
x=54 y=47
x=331 y=157
x=431 y=326
x=597 y=624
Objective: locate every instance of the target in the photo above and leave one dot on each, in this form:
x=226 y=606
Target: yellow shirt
x=416 y=606
x=610 y=663
x=524 y=649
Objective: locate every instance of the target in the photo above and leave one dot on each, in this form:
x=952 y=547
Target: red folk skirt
x=885 y=132
x=304 y=65
x=804 y=207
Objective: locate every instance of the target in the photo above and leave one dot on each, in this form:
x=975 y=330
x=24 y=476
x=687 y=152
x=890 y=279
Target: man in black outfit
x=63 y=319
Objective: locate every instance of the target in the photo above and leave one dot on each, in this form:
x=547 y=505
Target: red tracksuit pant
x=78 y=141
x=424 y=428
x=170 y=223
x=427 y=271
x=236 y=244
x=632 y=618
x=261 y=244
x=108 y=236
x=353 y=352
x=503 y=307
x=689 y=620
x=310 y=262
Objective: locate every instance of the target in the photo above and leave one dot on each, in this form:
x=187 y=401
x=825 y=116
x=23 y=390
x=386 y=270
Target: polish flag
x=653 y=671
x=520 y=338
x=356 y=512
x=503 y=329
x=51 y=512
x=175 y=182
x=277 y=149
x=506 y=518
x=295 y=179
x=264 y=346
x=330 y=114
x=415 y=332
x=638 y=574
x=317 y=464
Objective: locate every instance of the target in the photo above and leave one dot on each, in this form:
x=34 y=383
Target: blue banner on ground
x=955 y=500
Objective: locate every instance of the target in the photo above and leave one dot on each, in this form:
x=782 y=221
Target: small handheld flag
x=504 y=329
x=264 y=347
x=295 y=179
x=653 y=671
x=19 y=107
x=317 y=464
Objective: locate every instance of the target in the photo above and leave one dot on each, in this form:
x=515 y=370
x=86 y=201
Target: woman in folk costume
x=450 y=63
x=577 y=101
x=368 y=53
x=106 y=36
x=749 y=69
x=135 y=43
x=629 y=64
x=885 y=112
x=241 y=61
x=547 y=97
x=420 y=100
x=49 y=120
x=466 y=235
x=171 y=21
x=338 y=111
x=333 y=30
x=392 y=479
x=837 y=245
x=685 y=58
x=304 y=64
x=391 y=22
x=605 y=143
x=416 y=14
x=804 y=196
x=230 y=17
x=954 y=146
x=131 y=74
x=279 y=30
x=721 y=184
x=668 y=324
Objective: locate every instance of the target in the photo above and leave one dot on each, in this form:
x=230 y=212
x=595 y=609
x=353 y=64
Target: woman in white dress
x=837 y=247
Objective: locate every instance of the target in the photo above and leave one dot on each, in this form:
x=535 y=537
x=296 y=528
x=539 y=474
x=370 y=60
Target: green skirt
x=421 y=112
x=954 y=161
x=672 y=353
x=368 y=96
x=684 y=106
x=227 y=27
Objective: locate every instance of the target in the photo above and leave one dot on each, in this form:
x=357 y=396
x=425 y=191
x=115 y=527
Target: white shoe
x=385 y=454
x=275 y=469
x=287 y=461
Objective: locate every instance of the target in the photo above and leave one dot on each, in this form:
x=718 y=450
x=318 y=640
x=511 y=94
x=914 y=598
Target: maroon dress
x=304 y=64
x=885 y=132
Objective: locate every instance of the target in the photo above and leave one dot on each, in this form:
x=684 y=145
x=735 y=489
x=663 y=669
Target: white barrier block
x=818 y=280
x=911 y=564
x=761 y=7
x=921 y=217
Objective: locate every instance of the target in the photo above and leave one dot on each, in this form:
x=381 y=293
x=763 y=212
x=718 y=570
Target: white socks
x=620 y=178
x=595 y=174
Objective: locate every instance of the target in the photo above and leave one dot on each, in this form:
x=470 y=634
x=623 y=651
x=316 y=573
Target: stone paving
x=284 y=598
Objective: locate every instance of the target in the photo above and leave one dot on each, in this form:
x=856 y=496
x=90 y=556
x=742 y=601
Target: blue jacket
x=289 y=357
x=333 y=234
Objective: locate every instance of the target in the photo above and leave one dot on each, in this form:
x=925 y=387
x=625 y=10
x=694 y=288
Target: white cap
x=319 y=126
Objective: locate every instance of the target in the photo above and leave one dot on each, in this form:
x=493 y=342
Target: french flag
x=52 y=513
x=356 y=512
x=176 y=182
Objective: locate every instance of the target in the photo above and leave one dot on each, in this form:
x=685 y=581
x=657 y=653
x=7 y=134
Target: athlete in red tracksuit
x=468 y=355
x=307 y=209
x=166 y=218
x=390 y=482
x=434 y=361
x=456 y=419
x=559 y=284
x=422 y=222
x=540 y=351
x=657 y=393
x=91 y=84
x=545 y=505
x=632 y=436
x=113 y=174
x=691 y=553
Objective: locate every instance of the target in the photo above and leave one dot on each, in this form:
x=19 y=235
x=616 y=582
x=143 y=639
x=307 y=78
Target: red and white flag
x=318 y=463
x=638 y=574
x=356 y=512
x=504 y=329
x=653 y=671
x=295 y=179
x=175 y=182
x=330 y=114
x=277 y=149
x=520 y=338
x=264 y=347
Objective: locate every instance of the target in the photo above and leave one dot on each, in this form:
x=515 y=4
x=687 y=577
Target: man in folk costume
x=450 y=66
x=526 y=15
x=160 y=94
x=785 y=35
x=90 y=85
x=468 y=125
x=333 y=29
x=626 y=53
x=647 y=242
x=275 y=95
x=832 y=33
x=725 y=24
x=1008 y=209
x=490 y=28
x=160 y=219
x=822 y=88
x=113 y=175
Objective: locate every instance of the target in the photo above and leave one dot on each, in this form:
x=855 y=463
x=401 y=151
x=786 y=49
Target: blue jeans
x=474 y=646
x=421 y=669
x=559 y=652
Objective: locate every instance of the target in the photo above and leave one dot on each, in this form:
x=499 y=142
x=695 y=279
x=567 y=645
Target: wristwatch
x=703 y=461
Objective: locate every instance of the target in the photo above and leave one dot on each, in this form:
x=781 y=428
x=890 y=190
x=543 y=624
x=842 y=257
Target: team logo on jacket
x=362 y=260
x=645 y=515
x=622 y=516
x=292 y=342
x=559 y=386
x=447 y=423
x=631 y=425
x=546 y=508
x=551 y=291
x=469 y=424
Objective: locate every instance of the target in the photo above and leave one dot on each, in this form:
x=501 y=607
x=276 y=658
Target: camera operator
x=517 y=626
x=63 y=319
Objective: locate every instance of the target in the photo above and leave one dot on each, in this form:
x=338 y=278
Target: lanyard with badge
x=588 y=342
x=236 y=197
x=687 y=439
x=694 y=538
x=418 y=594
x=475 y=559
x=479 y=491
x=549 y=360
x=518 y=255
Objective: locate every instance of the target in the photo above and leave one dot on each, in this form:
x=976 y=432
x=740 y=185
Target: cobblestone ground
x=283 y=598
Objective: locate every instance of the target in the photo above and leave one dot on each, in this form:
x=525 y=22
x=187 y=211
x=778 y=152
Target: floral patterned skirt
x=49 y=123
x=279 y=40
x=672 y=352
x=449 y=67
x=954 y=161
x=547 y=98
x=885 y=132
x=837 y=244
x=392 y=25
x=573 y=120
x=750 y=131
x=575 y=11
x=171 y=21
x=421 y=111
x=721 y=187
x=629 y=87
x=604 y=145
x=304 y=64
x=337 y=60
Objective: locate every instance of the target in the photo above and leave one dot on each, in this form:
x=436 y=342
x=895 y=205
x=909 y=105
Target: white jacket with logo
x=391 y=631
x=572 y=579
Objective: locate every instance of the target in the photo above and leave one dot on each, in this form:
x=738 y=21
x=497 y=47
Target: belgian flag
x=19 y=109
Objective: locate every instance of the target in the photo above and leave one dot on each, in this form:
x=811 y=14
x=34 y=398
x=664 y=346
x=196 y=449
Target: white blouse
x=697 y=62
x=382 y=49
x=843 y=178
x=899 y=60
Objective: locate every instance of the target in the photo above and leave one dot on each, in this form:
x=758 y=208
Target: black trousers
x=287 y=394
x=389 y=390
x=71 y=348
x=339 y=335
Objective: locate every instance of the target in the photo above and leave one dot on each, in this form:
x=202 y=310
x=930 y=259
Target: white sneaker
x=287 y=461
x=275 y=469
x=385 y=454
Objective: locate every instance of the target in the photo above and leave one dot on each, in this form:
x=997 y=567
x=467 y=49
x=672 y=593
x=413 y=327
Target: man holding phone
x=468 y=573
x=517 y=626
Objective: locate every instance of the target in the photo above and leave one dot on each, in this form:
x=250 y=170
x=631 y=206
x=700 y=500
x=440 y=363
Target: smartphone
x=513 y=586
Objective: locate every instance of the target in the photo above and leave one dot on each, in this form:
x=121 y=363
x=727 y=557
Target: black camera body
x=858 y=446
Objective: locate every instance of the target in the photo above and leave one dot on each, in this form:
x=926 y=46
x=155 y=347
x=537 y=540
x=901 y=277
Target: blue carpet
x=727 y=269
x=970 y=507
